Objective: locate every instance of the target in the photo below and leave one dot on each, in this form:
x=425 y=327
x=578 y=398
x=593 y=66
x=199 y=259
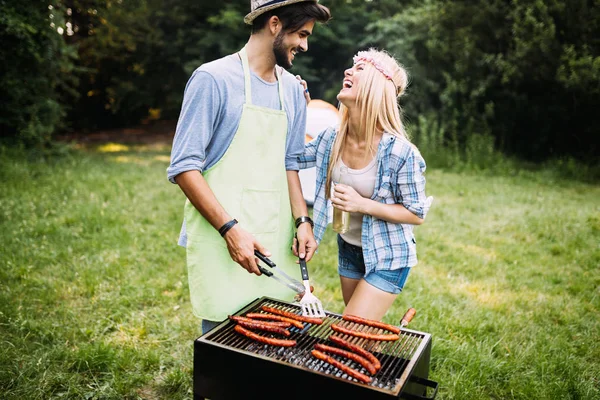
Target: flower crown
x=374 y=63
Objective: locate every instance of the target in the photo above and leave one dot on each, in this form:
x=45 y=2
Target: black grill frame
x=225 y=372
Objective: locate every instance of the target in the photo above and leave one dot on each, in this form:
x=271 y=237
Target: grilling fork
x=310 y=304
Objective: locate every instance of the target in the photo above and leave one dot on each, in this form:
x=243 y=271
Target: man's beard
x=281 y=53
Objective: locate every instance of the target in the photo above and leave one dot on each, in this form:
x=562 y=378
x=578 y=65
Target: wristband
x=304 y=219
x=227 y=226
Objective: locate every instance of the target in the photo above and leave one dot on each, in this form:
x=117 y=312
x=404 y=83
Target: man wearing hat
x=240 y=131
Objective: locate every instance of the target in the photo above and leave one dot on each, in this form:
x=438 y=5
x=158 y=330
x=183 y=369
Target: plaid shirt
x=400 y=180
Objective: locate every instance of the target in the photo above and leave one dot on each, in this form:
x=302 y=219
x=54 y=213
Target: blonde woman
x=385 y=187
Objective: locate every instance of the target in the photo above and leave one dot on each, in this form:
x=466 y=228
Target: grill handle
x=425 y=382
x=408 y=316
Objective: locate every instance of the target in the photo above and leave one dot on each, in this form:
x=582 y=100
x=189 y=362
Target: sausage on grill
x=357 y=349
x=280 y=324
x=263 y=339
x=344 y=368
x=264 y=327
x=348 y=354
x=274 y=317
x=371 y=322
x=287 y=314
x=364 y=335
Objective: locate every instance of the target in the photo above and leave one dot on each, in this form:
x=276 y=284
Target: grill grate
x=395 y=357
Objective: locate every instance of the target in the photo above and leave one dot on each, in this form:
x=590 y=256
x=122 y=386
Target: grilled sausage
x=348 y=354
x=344 y=368
x=263 y=339
x=273 y=317
x=364 y=335
x=264 y=327
x=280 y=324
x=371 y=322
x=357 y=349
x=287 y=314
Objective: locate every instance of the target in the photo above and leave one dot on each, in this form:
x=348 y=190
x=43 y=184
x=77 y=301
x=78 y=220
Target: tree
x=525 y=71
x=36 y=68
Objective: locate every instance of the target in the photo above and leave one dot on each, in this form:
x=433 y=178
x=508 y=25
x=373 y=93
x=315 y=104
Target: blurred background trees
x=522 y=76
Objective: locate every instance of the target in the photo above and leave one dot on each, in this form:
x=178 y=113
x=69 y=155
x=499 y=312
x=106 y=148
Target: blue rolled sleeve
x=411 y=185
x=295 y=138
x=196 y=125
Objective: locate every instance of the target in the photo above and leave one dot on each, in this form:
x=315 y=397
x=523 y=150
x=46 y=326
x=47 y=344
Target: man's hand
x=241 y=245
x=304 y=244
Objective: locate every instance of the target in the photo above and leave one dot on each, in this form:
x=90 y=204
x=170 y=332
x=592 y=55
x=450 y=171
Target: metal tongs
x=283 y=278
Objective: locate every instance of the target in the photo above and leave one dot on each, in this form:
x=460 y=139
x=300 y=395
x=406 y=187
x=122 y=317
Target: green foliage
x=525 y=72
x=36 y=69
x=139 y=55
x=110 y=38
x=132 y=68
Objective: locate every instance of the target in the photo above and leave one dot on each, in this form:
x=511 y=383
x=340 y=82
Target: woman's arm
x=410 y=185
x=308 y=158
x=347 y=199
x=411 y=205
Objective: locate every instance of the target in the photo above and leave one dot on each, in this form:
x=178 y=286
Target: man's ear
x=274 y=25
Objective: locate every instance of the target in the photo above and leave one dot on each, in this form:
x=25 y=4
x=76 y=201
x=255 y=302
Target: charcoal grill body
x=223 y=372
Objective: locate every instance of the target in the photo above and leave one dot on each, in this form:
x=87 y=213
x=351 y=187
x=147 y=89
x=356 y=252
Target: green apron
x=250 y=183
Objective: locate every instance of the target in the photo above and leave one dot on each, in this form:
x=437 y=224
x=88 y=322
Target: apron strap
x=280 y=84
x=246 y=68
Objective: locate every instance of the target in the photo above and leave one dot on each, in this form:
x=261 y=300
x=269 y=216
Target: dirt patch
x=159 y=132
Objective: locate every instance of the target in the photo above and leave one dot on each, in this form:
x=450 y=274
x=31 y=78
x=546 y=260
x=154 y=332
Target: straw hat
x=258 y=7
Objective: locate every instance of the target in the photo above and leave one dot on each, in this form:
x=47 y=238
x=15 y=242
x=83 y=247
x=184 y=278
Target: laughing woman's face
x=349 y=91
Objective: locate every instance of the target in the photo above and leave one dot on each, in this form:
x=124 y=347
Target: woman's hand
x=346 y=198
x=305 y=86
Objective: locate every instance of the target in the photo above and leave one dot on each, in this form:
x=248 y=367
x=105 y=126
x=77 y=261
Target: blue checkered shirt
x=400 y=180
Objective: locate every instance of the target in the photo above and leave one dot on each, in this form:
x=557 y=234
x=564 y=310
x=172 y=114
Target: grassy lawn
x=94 y=297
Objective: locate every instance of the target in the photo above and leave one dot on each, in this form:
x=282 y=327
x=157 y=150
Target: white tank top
x=363 y=181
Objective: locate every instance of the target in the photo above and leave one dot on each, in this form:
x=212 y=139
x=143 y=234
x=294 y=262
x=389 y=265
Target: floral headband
x=374 y=63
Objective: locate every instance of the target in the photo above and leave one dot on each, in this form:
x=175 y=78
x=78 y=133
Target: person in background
x=383 y=190
x=239 y=134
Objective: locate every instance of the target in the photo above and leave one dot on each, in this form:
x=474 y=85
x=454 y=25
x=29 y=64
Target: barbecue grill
x=228 y=365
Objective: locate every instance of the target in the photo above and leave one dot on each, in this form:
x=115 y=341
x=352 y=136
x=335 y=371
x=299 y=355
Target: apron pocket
x=260 y=210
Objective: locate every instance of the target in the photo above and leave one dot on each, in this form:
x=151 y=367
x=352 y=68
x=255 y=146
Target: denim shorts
x=351 y=264
x=208 y=325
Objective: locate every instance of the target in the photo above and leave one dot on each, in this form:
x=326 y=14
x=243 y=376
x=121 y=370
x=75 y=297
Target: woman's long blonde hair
x=378 y=103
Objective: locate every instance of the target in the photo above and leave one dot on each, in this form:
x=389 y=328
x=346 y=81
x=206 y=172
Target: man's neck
x=261 y=57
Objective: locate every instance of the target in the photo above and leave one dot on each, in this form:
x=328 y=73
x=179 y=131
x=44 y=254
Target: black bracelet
x=303 y=219
x=227 y=226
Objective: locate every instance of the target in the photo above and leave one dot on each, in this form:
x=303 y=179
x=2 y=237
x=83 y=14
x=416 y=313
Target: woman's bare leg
x=348 y=286
x=367 y=301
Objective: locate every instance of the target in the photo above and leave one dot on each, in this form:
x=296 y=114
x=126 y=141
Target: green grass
x=94 y=300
